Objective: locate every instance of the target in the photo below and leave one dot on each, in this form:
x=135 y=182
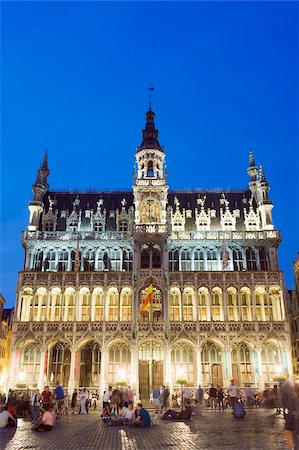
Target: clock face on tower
x=150 y=211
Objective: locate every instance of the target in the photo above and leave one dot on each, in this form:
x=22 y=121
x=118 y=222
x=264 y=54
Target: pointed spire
x=45 y=161
x=150 y=133
x=262 y=175
x=251 y=158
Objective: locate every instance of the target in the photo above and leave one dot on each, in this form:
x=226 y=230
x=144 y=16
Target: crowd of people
x=118 y=404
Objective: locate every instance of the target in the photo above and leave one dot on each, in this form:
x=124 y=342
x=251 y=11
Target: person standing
x=107 y=396
x=46 y=397
x=130 y=395
x=232 y=393
x=35 y=404
x=213 y=397
x=249 y=395
x=199 y=395
x=165 y=395
x=156 y=398
x=74 y=401
x=83 y=399
x=220 y=398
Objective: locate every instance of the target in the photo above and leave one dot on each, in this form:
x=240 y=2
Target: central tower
x=150 y=179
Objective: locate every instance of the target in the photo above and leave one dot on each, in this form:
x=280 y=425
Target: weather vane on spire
x=150 y=89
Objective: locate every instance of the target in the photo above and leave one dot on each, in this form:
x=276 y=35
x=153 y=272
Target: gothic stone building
x=89 y=257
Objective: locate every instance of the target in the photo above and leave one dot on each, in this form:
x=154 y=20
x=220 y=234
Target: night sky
x=74 y=81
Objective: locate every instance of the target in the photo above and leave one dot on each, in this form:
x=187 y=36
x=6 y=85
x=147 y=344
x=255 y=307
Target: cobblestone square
x=260 y=430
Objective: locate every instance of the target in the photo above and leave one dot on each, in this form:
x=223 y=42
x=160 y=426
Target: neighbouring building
x=5 y=342
x=218 y=308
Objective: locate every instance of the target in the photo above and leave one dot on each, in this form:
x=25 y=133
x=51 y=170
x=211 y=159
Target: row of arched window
x=183 y=362
x=208 y=259
x=73 y=226
x=89 y=260
x=189 y=305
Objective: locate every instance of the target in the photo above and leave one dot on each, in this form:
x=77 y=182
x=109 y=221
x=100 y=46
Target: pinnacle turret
x=262 y=175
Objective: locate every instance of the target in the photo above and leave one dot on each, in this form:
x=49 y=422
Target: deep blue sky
x=74 y=78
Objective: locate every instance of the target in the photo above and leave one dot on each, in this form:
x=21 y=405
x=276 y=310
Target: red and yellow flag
x=147 y=300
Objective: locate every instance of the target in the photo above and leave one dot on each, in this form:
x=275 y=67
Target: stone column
x=104 y=370
x=40 y=383
x=167 y=367
x=227 y=367
x=260 y=379
x=134 y=380
x=73 y=370
x=288 y=353
x=198 y=366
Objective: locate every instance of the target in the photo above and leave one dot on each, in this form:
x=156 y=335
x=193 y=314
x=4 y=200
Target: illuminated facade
x=294 y=313
x=5 y=342
x=218 y=308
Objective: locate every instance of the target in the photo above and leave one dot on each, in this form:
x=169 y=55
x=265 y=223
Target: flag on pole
x=147 y=300
x=224 y=257
x=77 y=258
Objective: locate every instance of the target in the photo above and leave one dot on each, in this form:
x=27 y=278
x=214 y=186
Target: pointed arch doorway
x=150 y=368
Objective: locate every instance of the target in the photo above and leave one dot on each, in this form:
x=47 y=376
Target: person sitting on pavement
x=106 y=413
x=12 y=410
x=47 y=421
x=126 y=416
x=7 y=419
x=143 y=418
x=185 y=414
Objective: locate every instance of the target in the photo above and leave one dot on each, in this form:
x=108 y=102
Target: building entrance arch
x=151 y=357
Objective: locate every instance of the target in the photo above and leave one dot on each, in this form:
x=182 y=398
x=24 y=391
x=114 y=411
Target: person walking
x=165 y=395
x=213 y=397
x=47 y=397
x=35 y=404
x=107 y=396
x=232 y=393
x=199 y=395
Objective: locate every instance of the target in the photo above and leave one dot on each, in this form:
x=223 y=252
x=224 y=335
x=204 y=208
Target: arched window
x=246 y=307
x=38 y=266
x=203 y=306
x=63 y=258
x=271 y=361
x=187 y=305
x=183 y=363
x=73 y=226
x=127 y=261
x=119 y=367
x=217 y=313
x=241 y=365
x=263 y=259
x=156 y=258
x=175 y=305
x=31 y=363
x=98 y=312
x=211 y=357
x=89 y=261
x=150 y=169
x=145 y=258
x=69 y=305
x=126 y=305
x=238 y=260
x=60 y=364
x=212 y=263
x=113 y=305
x=154 y=313
x=50 y=261
x=186 y=260
x=250 y=259
x=115 y=260
x=174 y=261
x=90 y=365
x=199 y=260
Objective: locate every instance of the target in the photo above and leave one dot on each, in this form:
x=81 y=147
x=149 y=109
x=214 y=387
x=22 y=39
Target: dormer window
x=123 y=225
x=49 y=225
x=98 y=226
x=73 y=226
